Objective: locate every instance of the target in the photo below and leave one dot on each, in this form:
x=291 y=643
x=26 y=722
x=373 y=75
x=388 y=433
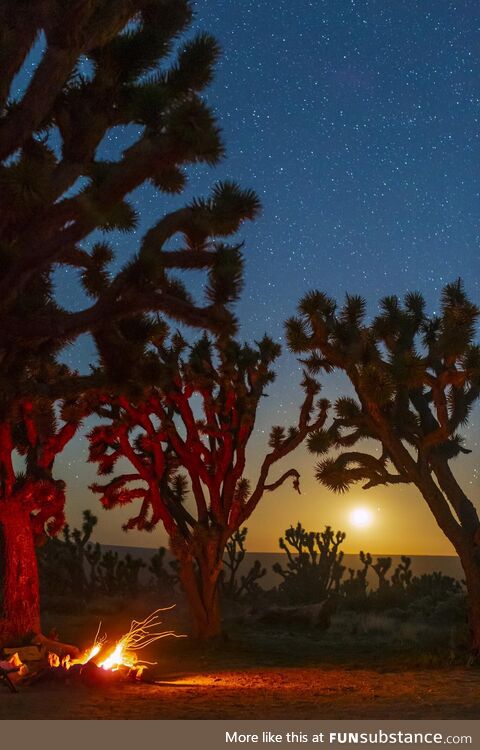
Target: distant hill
x=449 y=565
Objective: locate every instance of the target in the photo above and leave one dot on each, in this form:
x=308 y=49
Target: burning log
x=102 y=663
x=91 y=674
x=24 y=653
x=38 y=650
x=11 y=671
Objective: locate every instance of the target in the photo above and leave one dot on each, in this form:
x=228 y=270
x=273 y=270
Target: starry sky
x=357 y=123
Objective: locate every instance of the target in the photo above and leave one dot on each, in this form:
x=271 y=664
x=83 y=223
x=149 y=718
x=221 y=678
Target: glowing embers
x=123 y=655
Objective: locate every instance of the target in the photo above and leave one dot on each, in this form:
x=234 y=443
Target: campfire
x=102 y=659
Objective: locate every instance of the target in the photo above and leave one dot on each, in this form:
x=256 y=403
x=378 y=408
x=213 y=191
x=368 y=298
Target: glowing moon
x=361 y=517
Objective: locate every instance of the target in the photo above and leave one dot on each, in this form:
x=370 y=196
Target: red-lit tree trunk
x=200 y=585
x=20 y=586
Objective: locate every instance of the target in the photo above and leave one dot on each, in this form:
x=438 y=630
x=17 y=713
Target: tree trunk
x=201 y=591
x=20 y=585
x=471 y=566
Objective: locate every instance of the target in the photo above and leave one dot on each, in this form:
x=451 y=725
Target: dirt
x=363 y=668
x=269 y=693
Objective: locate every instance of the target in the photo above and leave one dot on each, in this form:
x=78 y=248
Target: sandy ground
x=272 y=693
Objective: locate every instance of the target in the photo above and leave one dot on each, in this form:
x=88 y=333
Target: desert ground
x=370 y=668
x=267 y=693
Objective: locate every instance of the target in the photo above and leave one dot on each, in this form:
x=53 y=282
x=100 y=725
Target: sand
x=269 y=693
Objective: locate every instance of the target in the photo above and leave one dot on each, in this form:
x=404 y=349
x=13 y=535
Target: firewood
x=55 y=647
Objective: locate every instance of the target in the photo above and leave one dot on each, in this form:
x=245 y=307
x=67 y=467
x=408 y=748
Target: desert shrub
x=432 y=597
x=354 y=590
x=73 y=570
x=314 y=569
x=450 y=611
x=391 y=593
x=438 y=598
x=119 y=576
x=164 y=578
x=128 y=575
x=434 y=586
x=62 y=562
x=234 y=587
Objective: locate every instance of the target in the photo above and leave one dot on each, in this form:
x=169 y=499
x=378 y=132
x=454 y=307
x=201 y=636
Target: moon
x=361 y=517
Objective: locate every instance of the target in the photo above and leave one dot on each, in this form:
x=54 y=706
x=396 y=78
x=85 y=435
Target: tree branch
x=283 y=478
x=241 y=514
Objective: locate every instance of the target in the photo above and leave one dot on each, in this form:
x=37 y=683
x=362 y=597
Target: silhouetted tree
x=102 y=65
x=108 y=567
x=416 y=378
x=314 y=564
x=101 y=69
x=62 y=561
x=199 y=418
x=233 y=586
x=402 y=575
x=354 y=588
x=164 y=579
x=234 y=556
x=381 y=568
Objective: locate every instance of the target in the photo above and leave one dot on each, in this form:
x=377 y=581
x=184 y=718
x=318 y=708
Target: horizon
x=279 y=552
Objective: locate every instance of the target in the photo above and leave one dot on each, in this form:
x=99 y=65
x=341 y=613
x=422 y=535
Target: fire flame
x=141 y=634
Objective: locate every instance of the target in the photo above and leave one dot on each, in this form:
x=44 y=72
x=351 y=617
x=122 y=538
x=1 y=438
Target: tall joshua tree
x=31 y=502
x=56 y=190
x=104 y=65
x=416 y=378
x=192 y=428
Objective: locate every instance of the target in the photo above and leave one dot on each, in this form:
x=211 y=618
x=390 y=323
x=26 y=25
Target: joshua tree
x=402 y=575
x=314 y=568
x=62 y=561
x=231 y=587
x=101 y=69
x=163 y=580
x=381 y=568
x=356 y=585
x=234 y=556
x=199 y=417
x=78 y=545
x=108 y=572
x=31 y=504
x=104 y=65
x=416 y=378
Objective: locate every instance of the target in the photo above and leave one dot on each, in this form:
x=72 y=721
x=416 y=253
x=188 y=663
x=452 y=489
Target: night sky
x=358 y=125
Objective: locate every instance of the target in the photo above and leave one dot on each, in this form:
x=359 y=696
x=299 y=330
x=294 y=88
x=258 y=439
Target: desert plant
x=354 y=588
x=416 y=379
x=314 y=567
x=32 y=501
x=104 y=65
x=402 y=575
x=233 y=586
x=108 y=567
x=128 y=575
x=62 y=562
x=156 y=429
x=164 y=580
x=381 y=568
